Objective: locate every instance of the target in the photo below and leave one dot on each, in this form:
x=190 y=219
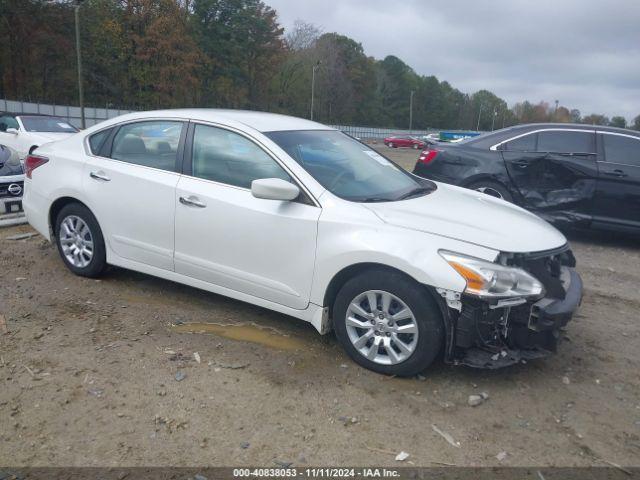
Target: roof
x=577 y=126
x=261 y=121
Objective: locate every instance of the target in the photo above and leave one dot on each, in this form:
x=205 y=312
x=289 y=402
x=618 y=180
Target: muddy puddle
x=266 y=336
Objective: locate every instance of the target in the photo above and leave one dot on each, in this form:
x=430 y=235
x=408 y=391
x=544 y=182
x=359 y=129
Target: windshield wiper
x=375 y=199
x=415 y=192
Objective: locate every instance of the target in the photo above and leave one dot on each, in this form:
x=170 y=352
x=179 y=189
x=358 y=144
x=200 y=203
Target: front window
x=227 y=157
x=349 y=169
x=8 y=122
x=47 y=124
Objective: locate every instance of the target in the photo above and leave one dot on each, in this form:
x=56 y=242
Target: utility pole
x=479 y=114
x=493 y=119
x=411 y=111
x=79 y=58
x=313 y=85
x=555 y=112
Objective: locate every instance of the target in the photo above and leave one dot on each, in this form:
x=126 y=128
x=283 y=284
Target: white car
x=26 y=132
x=300 y=218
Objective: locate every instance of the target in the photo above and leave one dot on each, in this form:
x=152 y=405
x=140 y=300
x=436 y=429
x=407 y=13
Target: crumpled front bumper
x=488 y=336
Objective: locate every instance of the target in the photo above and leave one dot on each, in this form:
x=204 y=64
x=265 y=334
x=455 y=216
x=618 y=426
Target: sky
x=584 y=53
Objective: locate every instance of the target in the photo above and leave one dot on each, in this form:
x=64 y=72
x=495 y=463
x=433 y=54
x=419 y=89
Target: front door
x=617 y=201
x=132 y=192
x=227 y=237
x=555 y=172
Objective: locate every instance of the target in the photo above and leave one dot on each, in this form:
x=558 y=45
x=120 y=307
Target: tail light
x=427 y=156
x=32 y=162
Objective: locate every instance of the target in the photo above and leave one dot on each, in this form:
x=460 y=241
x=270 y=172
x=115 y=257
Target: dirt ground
x=89 y=375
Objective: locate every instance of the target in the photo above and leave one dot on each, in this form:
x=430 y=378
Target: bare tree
x=302 y=36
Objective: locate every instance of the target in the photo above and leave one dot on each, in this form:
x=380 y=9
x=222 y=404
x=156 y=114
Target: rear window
x=96 y=141
x=619 y=149
x=566 y=142
x=522 y=144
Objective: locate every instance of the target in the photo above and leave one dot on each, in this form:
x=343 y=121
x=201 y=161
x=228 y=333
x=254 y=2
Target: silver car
x=11 y=181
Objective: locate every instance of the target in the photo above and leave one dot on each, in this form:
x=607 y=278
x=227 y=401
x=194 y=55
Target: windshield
x=348 y=168
x=47 y=124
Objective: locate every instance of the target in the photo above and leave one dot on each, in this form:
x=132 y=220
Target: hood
x=472 y=217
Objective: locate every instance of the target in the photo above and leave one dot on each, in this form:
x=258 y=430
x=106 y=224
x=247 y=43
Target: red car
x=404 y=141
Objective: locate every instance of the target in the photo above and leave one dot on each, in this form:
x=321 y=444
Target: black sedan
x=573 y=175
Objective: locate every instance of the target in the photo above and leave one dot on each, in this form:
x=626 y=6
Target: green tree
x=618 y=121
x=636 y=123
x=244 y=49
x=595 y=119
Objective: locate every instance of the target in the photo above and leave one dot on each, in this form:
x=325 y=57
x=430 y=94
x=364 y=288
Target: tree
x=596 y=119
x=302 y=36
x=244 y=47
x=636 y=123
x=575 y=115
x=618 y=121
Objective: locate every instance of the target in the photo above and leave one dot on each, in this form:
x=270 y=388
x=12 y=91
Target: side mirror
x=274 y=189
x=12 y=130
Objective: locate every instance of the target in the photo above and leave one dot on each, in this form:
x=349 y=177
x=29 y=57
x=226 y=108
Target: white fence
x=71 y=114
x=96 y=115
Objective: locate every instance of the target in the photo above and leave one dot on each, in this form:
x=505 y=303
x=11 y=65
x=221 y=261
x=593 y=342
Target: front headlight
x=487 y=279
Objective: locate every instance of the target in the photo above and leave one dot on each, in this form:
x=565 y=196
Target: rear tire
x=359 y=327
x=494 y=189
x=391 y=145
x=80 y=241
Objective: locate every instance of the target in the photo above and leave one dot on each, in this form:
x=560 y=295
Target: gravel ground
x=94 y=372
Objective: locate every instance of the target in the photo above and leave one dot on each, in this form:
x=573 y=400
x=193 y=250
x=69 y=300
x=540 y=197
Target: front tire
x=388 y=323
x=391 y=145
x=80 y=241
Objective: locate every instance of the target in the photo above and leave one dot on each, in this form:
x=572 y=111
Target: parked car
x=404 y=141
x=26 y=132
x=299 y=218
x=11 y=181
x=574 y=175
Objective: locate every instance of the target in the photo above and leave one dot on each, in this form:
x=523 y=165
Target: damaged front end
x=512 y=310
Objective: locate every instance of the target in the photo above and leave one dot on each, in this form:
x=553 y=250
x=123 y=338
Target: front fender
x=342 y=244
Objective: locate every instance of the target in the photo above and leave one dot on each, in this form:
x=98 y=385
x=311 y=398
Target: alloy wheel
x=381 y=327
x=490 y=191
x=76 y=241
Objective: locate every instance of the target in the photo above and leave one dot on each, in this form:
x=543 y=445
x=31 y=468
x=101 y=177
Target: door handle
x=616 y=173
x=192 y=201
x=521 y=164
x=99 y=176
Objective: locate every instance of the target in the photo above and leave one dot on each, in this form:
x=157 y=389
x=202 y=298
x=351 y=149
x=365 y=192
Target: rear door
x=130 y=184
x=617 y=200
x=555 y=171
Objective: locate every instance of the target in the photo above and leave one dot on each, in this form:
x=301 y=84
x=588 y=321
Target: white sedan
x=26 y=132
x=300 y=218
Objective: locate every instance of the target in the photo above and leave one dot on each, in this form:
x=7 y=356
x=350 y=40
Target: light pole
x=79 y=59
x=479 y=114
x=411 y=111
x=313 y=84
x=493 y=120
